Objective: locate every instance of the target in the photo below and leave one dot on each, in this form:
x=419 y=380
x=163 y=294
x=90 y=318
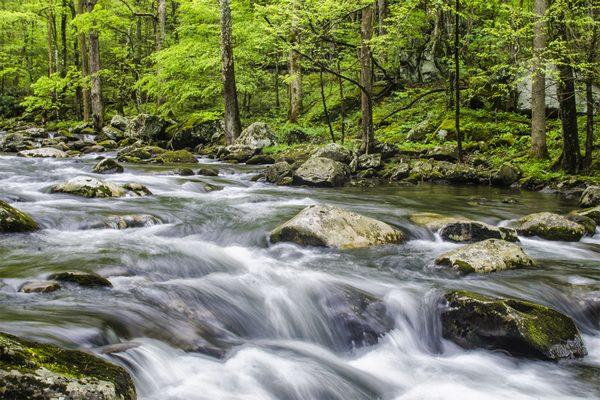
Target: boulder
x=137 y=189
x=13 y=220
x=334 y=152
x=112 y=133
x=175 y=157
x=320 y=171
x=81 y=278
x=108 y=144
x=13 y=142
x=256 y=136
x=92 y=148
x=39 y=287
x=434 y=221
x=43 y=152
x=588 y=224
x=207 y=172
x=593 y=213
x=443 y=153
x=368 y=161
x=185 y=172
x=139 y=154
x=518 y=327
x=119 y=122
x=490 y=255
x=550 y=226
x=590 y=197
x=330 y=226
x=260 y=159
x=399 y=172
x=131 y=221
x=36 y=371
x=191 y=134
x=149 y=128
x=507 y=175
x=239 y=153
x=87 y=186
x=276 y=172
x=474 y=231
x=107 y=166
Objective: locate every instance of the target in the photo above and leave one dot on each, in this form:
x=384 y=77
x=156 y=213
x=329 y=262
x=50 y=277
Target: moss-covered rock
x=131 y=221
x=204 y=171
x=175 y=157
x=13 y=220
x=434 y=221
x=89 y=187
x=518 y=327
x=320 y=171
x=36 y=371
x=149 y=128
x=108 y=166
x=590 y=197
x=256 y=136
x=331 y=226
x=474 y=231
x=593 y=213
x=550 y=226
x=276 y=172
x=334 y=152
x=43 y=152
x=490 y=255
x=588 y=224
x=39 y=287
x=86 y=279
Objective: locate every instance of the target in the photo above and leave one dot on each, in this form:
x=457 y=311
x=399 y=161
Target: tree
x=97 y=107
x=538 y=86
x=366 y=79
x=295 y=70
x=85 y=69
x=233 y=125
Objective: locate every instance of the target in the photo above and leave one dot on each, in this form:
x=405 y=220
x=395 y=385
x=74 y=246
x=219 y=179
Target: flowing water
x=208 y=309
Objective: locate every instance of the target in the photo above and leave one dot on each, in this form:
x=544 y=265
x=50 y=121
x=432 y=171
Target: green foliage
x=52 y=95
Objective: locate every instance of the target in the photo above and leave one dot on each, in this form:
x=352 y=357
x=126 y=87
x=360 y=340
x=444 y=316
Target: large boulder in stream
x=460 y=229
x=593 y=213
x=43 y=152
x=321 y=171
x=107 y=166
x=87 y=186
x=491 y=255
x=590 y=197
x=324 y=225
x=518 y=327
x=550 y=226
x=13 y=220
x=334 y=152
x=36 y=371
x=149 y=128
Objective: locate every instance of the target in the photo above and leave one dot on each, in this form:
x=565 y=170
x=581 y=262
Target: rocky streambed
x=196 y=280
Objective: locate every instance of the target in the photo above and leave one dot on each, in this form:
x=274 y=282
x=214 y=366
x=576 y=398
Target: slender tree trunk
x=162 y=19
x=457 y=80
x=589 y=100
x=94 y=66
x=342 y=101
x=571 y=157
x=382 y=14
x=538 y=85
x=276 y=81
x=50 y=37
x=324 y=102
x=295 y=71
x=85 y=69
x=366 y=80
x=233 y=125
x=63 y=38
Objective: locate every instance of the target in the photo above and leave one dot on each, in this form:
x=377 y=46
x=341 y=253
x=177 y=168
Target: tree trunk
x=457 y=80
x=538 y=85
x=63 y=38
x=233 y=125
x=295 y=73
x=589 y=126
x=162 y=18
x=50 y=37
x=382 y=14
x=94 y=66
x=571 y=156
x=324 y=102
x=366 y=80
x=85 y=69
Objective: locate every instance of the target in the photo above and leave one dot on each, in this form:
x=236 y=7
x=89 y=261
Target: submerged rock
x=334 y=152
x=320 y=171
x=87 y=186
x=550 y=226
x=518 y=327
x=590 y=197
x=36 y=371
x=85 y=279
x=474 y=231
x=43 y=152
x=13 y=220
x=330 y=226
x=39 y=287
x=108 y=166
x=131 y=221
x=490 y=255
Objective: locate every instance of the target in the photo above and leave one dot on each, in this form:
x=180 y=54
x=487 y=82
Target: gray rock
x=518 y=327
x=590 y=197
x=593 y=213
x=112 y=133
x=43 y=152
x=474 y=231
x=550 y=226
x=260 y=159
x=278 y=171
x=400 y=171
x=490 y=255
x=588 y=223
x=507 y=174
x=131 y=221
x=119 y=122
x=239 y=153
x=185 y=172
x=39 y=287
x=87 y=186
x=331 y=226
x=15 y=141
x=207 y=172
x=108 y=166
x=368 y=161
x=334 y=152
x=13 y=220
x=147 y=127
x=36 y=371
x=256 y=137
x=434 y=221
x=320 y=171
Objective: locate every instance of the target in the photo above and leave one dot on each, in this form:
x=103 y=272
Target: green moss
x=174 y=157
x=13 y=220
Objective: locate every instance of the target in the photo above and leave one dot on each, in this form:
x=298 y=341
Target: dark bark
x=457 y=80
x=571 y=156
x=233 y=125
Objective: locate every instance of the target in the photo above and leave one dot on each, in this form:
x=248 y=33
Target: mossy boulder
x=367 y=161
x=13 y=220
x=43 y=152
x=260 y=159
x=590 y=197
x=195 y=132
x=149 y=128
x=256 y=136
x=175 y=157
x=507 y=174
x=139 y=154
x=108 y=166
x=434 y=221
x=87 y=186
x=321 y=171
x=550 y=226
x=204 y=171
x=329 y=226
x=588 y=223
x=490 y=255
x=334 y=152
x=593 y=213
x=86 y=279
x=475 y=231
x=119 y=122
x=276 y=172
x=518 y=327
x=13 y=142
x=36 y=371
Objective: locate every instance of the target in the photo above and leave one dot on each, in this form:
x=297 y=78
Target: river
x=211 y=310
